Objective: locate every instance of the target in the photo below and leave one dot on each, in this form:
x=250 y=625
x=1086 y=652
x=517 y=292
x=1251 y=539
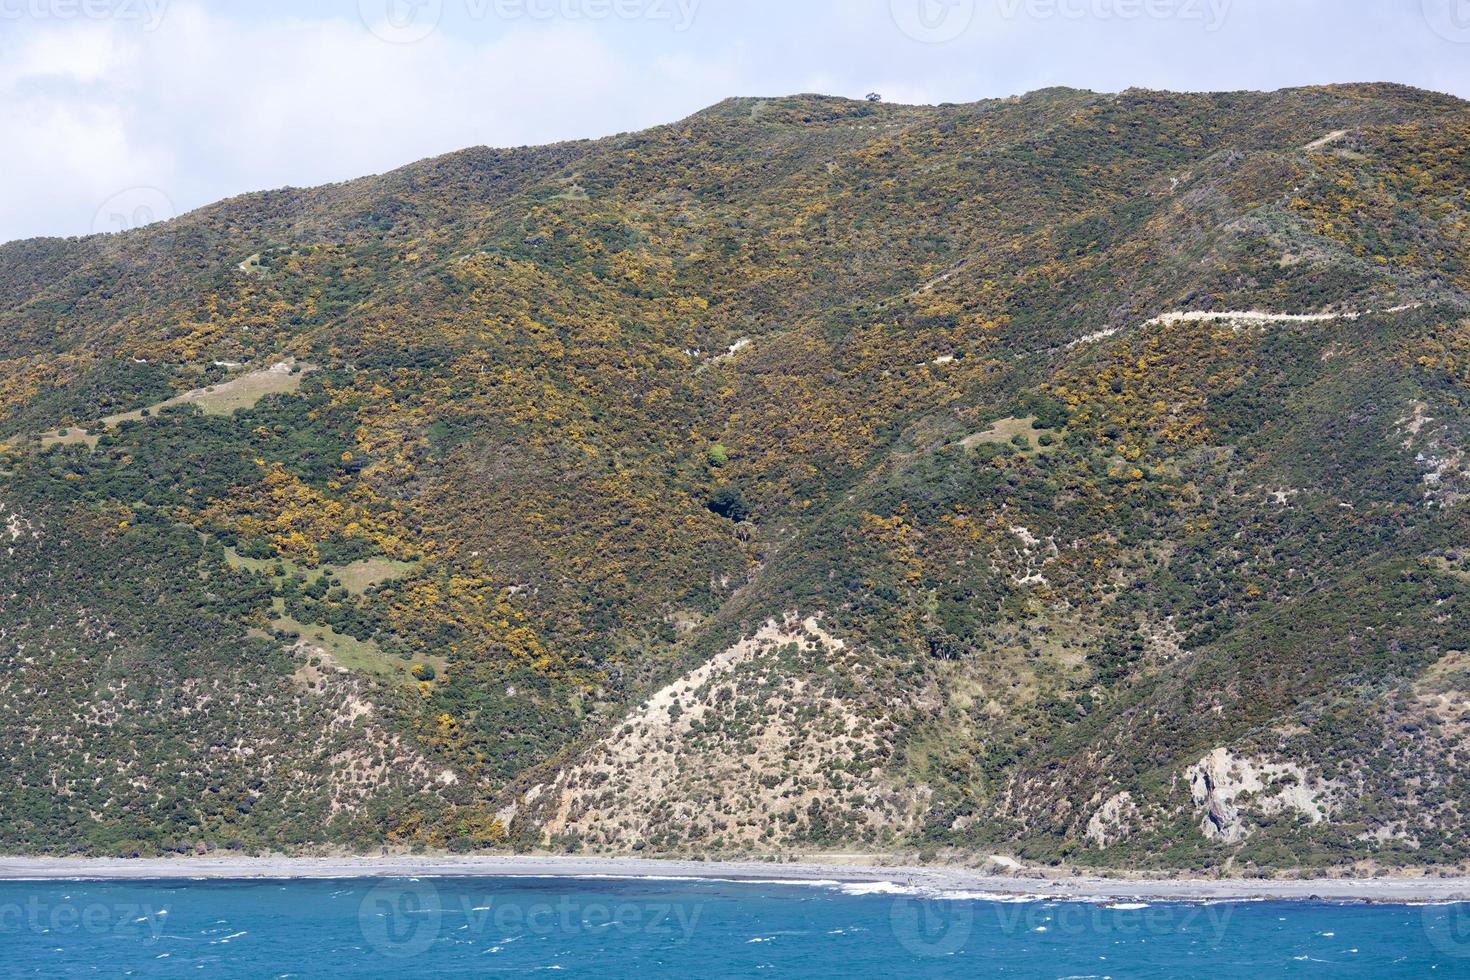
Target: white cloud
x=212 y=101
x=205 y=106
x=83 y=54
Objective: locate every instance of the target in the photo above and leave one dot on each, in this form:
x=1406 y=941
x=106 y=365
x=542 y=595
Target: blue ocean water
x=624 y=928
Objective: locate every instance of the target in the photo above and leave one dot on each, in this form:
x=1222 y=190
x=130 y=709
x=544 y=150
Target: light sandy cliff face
x=1229 y=788
x=739 y=752
x=1113 y=449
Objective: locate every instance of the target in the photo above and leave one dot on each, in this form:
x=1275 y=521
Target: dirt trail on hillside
x=282 y=377
x=1246 y=316
x=1327 y=140
x=1240 y=316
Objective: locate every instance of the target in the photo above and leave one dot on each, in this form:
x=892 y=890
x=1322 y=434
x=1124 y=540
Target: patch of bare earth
x=366 y=757
x=743 y=751
x=283 y=377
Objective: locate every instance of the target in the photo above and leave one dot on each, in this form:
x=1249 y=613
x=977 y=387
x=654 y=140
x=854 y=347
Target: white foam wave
x=611 y=877
x=877 y=888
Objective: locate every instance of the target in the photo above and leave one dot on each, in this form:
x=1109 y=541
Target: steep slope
x=1080 y=474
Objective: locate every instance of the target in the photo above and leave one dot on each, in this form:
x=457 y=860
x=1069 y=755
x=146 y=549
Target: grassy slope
x=521 y=385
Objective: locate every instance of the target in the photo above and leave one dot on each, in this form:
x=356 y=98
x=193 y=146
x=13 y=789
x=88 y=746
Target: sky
x=117 y=112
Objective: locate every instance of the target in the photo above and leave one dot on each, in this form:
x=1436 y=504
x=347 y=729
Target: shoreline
x=932 y=880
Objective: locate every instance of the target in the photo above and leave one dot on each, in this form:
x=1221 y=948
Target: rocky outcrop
x=1115 y=820
x=1225 y=787
x=757 y=746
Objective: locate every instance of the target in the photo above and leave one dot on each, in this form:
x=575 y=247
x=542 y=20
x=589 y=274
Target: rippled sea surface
x=615 y=928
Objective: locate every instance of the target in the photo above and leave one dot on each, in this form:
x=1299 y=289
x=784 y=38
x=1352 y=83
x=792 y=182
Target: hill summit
x=1075 y=476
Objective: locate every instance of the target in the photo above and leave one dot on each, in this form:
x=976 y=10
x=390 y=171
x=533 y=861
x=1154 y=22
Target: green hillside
x=1080 y=476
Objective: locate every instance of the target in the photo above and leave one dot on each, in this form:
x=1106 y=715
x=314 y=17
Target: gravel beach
x=930 y=879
